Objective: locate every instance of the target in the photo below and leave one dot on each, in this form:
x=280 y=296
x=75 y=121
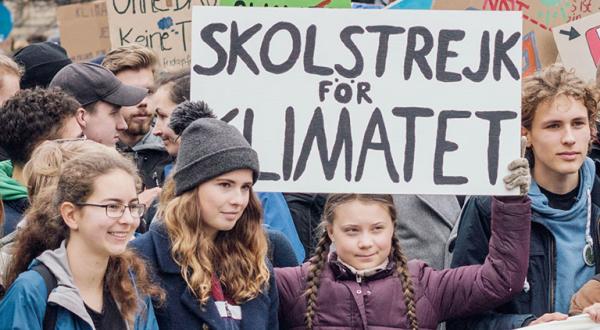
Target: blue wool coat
x=182 y=310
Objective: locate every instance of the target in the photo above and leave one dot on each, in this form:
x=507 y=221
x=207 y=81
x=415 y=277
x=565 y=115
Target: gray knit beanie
x=210 y=147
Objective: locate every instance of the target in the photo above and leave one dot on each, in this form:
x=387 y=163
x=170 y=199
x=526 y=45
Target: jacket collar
x=162 y=249
x=343 y=273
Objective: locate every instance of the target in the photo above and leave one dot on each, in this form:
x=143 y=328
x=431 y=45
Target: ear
x=80 y=115
x=329 y=229
x=68 y=211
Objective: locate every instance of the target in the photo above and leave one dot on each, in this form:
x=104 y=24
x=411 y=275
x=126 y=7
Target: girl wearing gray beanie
x=210 y=251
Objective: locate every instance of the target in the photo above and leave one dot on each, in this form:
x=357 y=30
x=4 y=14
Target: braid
x=313 y=278
x=407 y=288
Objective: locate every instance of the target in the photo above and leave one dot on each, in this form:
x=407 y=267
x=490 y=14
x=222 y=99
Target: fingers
x=548 y=317
x=523 y=145
x=521 y=162
x=519 y=175
x=594 y=312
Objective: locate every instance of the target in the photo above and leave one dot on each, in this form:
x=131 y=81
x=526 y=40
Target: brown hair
x=238 y=256
x=549 y=83
x=179 y=84
x=318 y=261
x=130 y=57
x=45 y=229
x=42 y=171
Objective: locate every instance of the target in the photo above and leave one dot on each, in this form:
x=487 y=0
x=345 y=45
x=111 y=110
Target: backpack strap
x=51 y=283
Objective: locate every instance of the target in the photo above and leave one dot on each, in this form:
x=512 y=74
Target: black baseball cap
x=41 y=62
x=89 y=82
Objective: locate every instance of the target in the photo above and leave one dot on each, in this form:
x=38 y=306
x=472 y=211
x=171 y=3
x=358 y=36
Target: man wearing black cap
x=101 y=96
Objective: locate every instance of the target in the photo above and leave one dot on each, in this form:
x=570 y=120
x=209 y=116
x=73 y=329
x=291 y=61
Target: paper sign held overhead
x=366 y=101
x=164 y=26
x=579 y=45
x=84 y=30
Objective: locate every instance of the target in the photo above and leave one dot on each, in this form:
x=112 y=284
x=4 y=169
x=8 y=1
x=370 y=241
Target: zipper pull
x=358 y=279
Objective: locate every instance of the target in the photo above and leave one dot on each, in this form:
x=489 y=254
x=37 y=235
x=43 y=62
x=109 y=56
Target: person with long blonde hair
x=209 y=250
x=76 y=237
x=367 y=283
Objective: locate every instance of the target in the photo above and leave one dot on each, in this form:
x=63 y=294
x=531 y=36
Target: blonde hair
x=9 y=66
x=318 y=261
x=130 y=57
x=42 y=171
x=238 y=256
x=551 y=82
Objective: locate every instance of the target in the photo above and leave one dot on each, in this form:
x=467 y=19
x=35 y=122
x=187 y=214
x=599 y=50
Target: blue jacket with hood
x=24 y=305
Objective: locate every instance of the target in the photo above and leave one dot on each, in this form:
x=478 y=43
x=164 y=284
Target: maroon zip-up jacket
x=377 y=302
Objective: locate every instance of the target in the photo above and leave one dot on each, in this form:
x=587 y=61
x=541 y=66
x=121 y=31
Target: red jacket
x=377 y=301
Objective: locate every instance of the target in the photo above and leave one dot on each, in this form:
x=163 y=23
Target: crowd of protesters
x=125 y=205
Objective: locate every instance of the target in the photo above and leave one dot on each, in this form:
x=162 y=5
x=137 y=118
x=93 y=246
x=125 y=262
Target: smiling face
x=362 y=233
x=559 y=137
x=223 y=199
x=164 y=109
x=100 y=234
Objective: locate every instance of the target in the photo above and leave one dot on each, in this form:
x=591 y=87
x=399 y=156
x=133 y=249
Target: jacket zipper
x=358 y=279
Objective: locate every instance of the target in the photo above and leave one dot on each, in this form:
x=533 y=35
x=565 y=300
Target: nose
x=365 y=242
x=568 y=136
x=238 y=196
x=127 y=218
x=121 y=124
x=156 y=130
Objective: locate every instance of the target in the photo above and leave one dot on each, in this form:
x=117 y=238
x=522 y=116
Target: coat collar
x=162 y=249
x=343 y=273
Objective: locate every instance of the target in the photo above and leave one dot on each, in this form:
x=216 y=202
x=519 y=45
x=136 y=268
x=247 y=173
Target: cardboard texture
x=288 y=3
x=579 y=45
x=539 y=17
x=84 y=30
x=164 y=26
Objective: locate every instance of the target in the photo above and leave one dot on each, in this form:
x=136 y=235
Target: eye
x=553 y=126
x=113 y=207
x=579 y=123
x=246 y=187
x=225 y=184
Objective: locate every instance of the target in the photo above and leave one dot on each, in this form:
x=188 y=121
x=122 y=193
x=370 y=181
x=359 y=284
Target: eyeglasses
x=116 y=210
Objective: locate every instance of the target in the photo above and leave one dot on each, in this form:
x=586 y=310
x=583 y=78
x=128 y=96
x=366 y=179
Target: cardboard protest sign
x=84 y=30
x=410 y=4
x=288 y=3
x=387 y=101
x=164 y=26
x=578 y=43
x=539 y=16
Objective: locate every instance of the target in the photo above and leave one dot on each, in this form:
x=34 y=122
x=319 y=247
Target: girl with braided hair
x=367 y=282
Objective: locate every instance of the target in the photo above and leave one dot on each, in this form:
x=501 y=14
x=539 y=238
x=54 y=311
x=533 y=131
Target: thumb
x=523 y=145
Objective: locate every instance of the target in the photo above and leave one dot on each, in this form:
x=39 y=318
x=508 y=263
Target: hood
x=10 y=189
x=66 y=293
x=150 y=142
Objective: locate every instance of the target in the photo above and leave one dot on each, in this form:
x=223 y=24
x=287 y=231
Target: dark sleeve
x=471 y=248
x=281 y=252
x=274 y=298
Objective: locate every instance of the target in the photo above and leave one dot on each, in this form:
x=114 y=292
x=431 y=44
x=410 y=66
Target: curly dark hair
x=32 y=116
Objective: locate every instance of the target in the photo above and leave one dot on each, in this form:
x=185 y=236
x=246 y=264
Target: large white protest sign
x=343 y=100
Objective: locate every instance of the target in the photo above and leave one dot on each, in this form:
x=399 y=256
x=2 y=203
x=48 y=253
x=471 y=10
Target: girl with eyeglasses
x=71 y=267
